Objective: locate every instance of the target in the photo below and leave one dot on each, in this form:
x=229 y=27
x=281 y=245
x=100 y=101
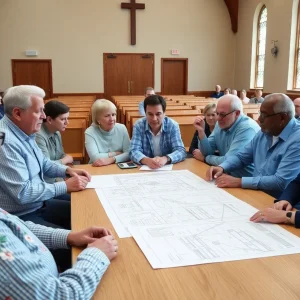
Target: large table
x=130 y=276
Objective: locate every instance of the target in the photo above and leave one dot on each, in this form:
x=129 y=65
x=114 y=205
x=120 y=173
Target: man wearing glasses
x=232 y=132
x=275 y=151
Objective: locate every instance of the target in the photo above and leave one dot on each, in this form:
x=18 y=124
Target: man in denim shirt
x=156 y=139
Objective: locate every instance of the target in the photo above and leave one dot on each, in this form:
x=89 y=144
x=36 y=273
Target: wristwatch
x=288 y=216
x=169 y=160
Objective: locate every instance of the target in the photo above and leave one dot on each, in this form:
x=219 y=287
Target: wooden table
x=131 y=277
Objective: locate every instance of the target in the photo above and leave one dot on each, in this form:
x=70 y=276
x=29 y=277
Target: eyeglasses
x=263 y=115
x=222 y=116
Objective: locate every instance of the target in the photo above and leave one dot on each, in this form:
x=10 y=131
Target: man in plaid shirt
x=156 y=139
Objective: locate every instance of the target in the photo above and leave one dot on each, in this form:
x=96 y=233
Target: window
x=296 y=84
x=261 y=48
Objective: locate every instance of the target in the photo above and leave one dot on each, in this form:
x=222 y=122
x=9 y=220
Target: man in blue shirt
x=23 y=190
x=156 y=139
x=274 y=151
x=232 y=132
x=148 y=92
x=217 y=94
x=297 y=108
x=258 y=97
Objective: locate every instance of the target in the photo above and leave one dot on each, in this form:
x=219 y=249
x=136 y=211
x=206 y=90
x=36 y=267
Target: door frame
x=49 y=61
x=123 y=53
x=186 y=61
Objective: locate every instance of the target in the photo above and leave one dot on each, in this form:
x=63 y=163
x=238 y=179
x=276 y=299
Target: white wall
x=281 y=23
x=75 y=33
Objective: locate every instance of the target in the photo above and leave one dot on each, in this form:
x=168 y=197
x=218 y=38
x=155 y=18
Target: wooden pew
x=73 y=138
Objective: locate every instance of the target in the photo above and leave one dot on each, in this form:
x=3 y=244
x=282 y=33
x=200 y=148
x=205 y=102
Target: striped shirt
x=23 y=167
x=170 y=141
x=28 y=270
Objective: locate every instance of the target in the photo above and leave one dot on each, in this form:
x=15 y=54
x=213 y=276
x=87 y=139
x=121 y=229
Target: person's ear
x=16 y=113
x=49 y=119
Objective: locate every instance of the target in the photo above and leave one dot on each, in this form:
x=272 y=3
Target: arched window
x=296 y=84
x=261 y=48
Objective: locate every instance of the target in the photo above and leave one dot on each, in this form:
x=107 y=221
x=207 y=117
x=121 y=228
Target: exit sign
x=175 y=52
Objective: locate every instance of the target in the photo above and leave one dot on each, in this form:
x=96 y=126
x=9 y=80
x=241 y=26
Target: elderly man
x=23 y=190
x=148 y=92
x=258 y=97
x=274 y=151
x=234 y=92
x=233 y=131
x=217 y=94
x=297 y=108
x=156 y=139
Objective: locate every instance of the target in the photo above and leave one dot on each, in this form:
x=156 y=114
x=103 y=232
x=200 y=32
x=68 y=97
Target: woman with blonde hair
x=210 y=122
x=106 y=141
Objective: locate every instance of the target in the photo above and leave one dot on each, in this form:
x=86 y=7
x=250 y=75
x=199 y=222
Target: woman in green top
x=106 y=141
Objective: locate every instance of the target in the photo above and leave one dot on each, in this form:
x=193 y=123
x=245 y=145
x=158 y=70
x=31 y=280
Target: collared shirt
x=50 y=144
x=275 y=166
x=156 y=142
x=228 y=142
x=170 y=143
x=28 y=270
x=23 y=167
x=142 y=109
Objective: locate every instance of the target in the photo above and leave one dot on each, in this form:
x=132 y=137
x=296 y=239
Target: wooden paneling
x=174 y=76
x=33 y=72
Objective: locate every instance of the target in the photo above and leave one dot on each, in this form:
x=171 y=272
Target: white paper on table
x=165 y=198
x=210 y=242
x=100 y=181
x=163 y=168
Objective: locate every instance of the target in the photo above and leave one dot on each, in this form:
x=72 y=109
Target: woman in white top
x=243 y=97
x=106 y=141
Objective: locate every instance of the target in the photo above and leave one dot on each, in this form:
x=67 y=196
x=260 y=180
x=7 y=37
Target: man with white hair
x=217 y=94
x=234 y=92
x=274 y=151
x=232 y=132
x=148 y=92
x=23 y=190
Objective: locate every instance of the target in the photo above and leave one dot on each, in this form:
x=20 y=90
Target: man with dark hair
x=49 y=138
x=148 y=92
x=156 y=139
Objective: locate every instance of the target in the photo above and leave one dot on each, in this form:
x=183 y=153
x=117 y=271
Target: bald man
x=274 y=151
x=217 y=94
x=232 y=132
x=297 y=108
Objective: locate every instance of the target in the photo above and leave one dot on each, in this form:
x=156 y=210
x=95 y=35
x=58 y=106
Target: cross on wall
x=133 y=6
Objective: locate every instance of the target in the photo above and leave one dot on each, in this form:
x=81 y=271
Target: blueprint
x=165 y=198
x=209 y=242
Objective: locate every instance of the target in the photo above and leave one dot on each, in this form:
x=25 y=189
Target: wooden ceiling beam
x=233 y=9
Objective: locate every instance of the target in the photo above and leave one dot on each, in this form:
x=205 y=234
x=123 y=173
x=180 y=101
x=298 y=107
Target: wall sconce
x=274 y=50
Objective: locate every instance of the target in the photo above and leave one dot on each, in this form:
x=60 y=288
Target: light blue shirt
x=228 y=142
x=99 y=143
x=142 y=109
x=23 y=167
x=28 y=270
x=275 y=166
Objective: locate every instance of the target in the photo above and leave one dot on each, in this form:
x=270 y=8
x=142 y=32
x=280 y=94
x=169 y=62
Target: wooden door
x=127 y=73
x=142 y=73
x=174 y=76
x=33 y=72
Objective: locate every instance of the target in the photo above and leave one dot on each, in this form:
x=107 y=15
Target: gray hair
x=283 y=105
x=149 y=88
x=100 y=106
x=236 y=103
x=20 y=96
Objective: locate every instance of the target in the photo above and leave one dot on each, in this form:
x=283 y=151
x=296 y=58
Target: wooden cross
x=133 y=7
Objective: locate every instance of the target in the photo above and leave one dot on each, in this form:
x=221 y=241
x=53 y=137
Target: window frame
x=297 y=48
x=257 y=47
